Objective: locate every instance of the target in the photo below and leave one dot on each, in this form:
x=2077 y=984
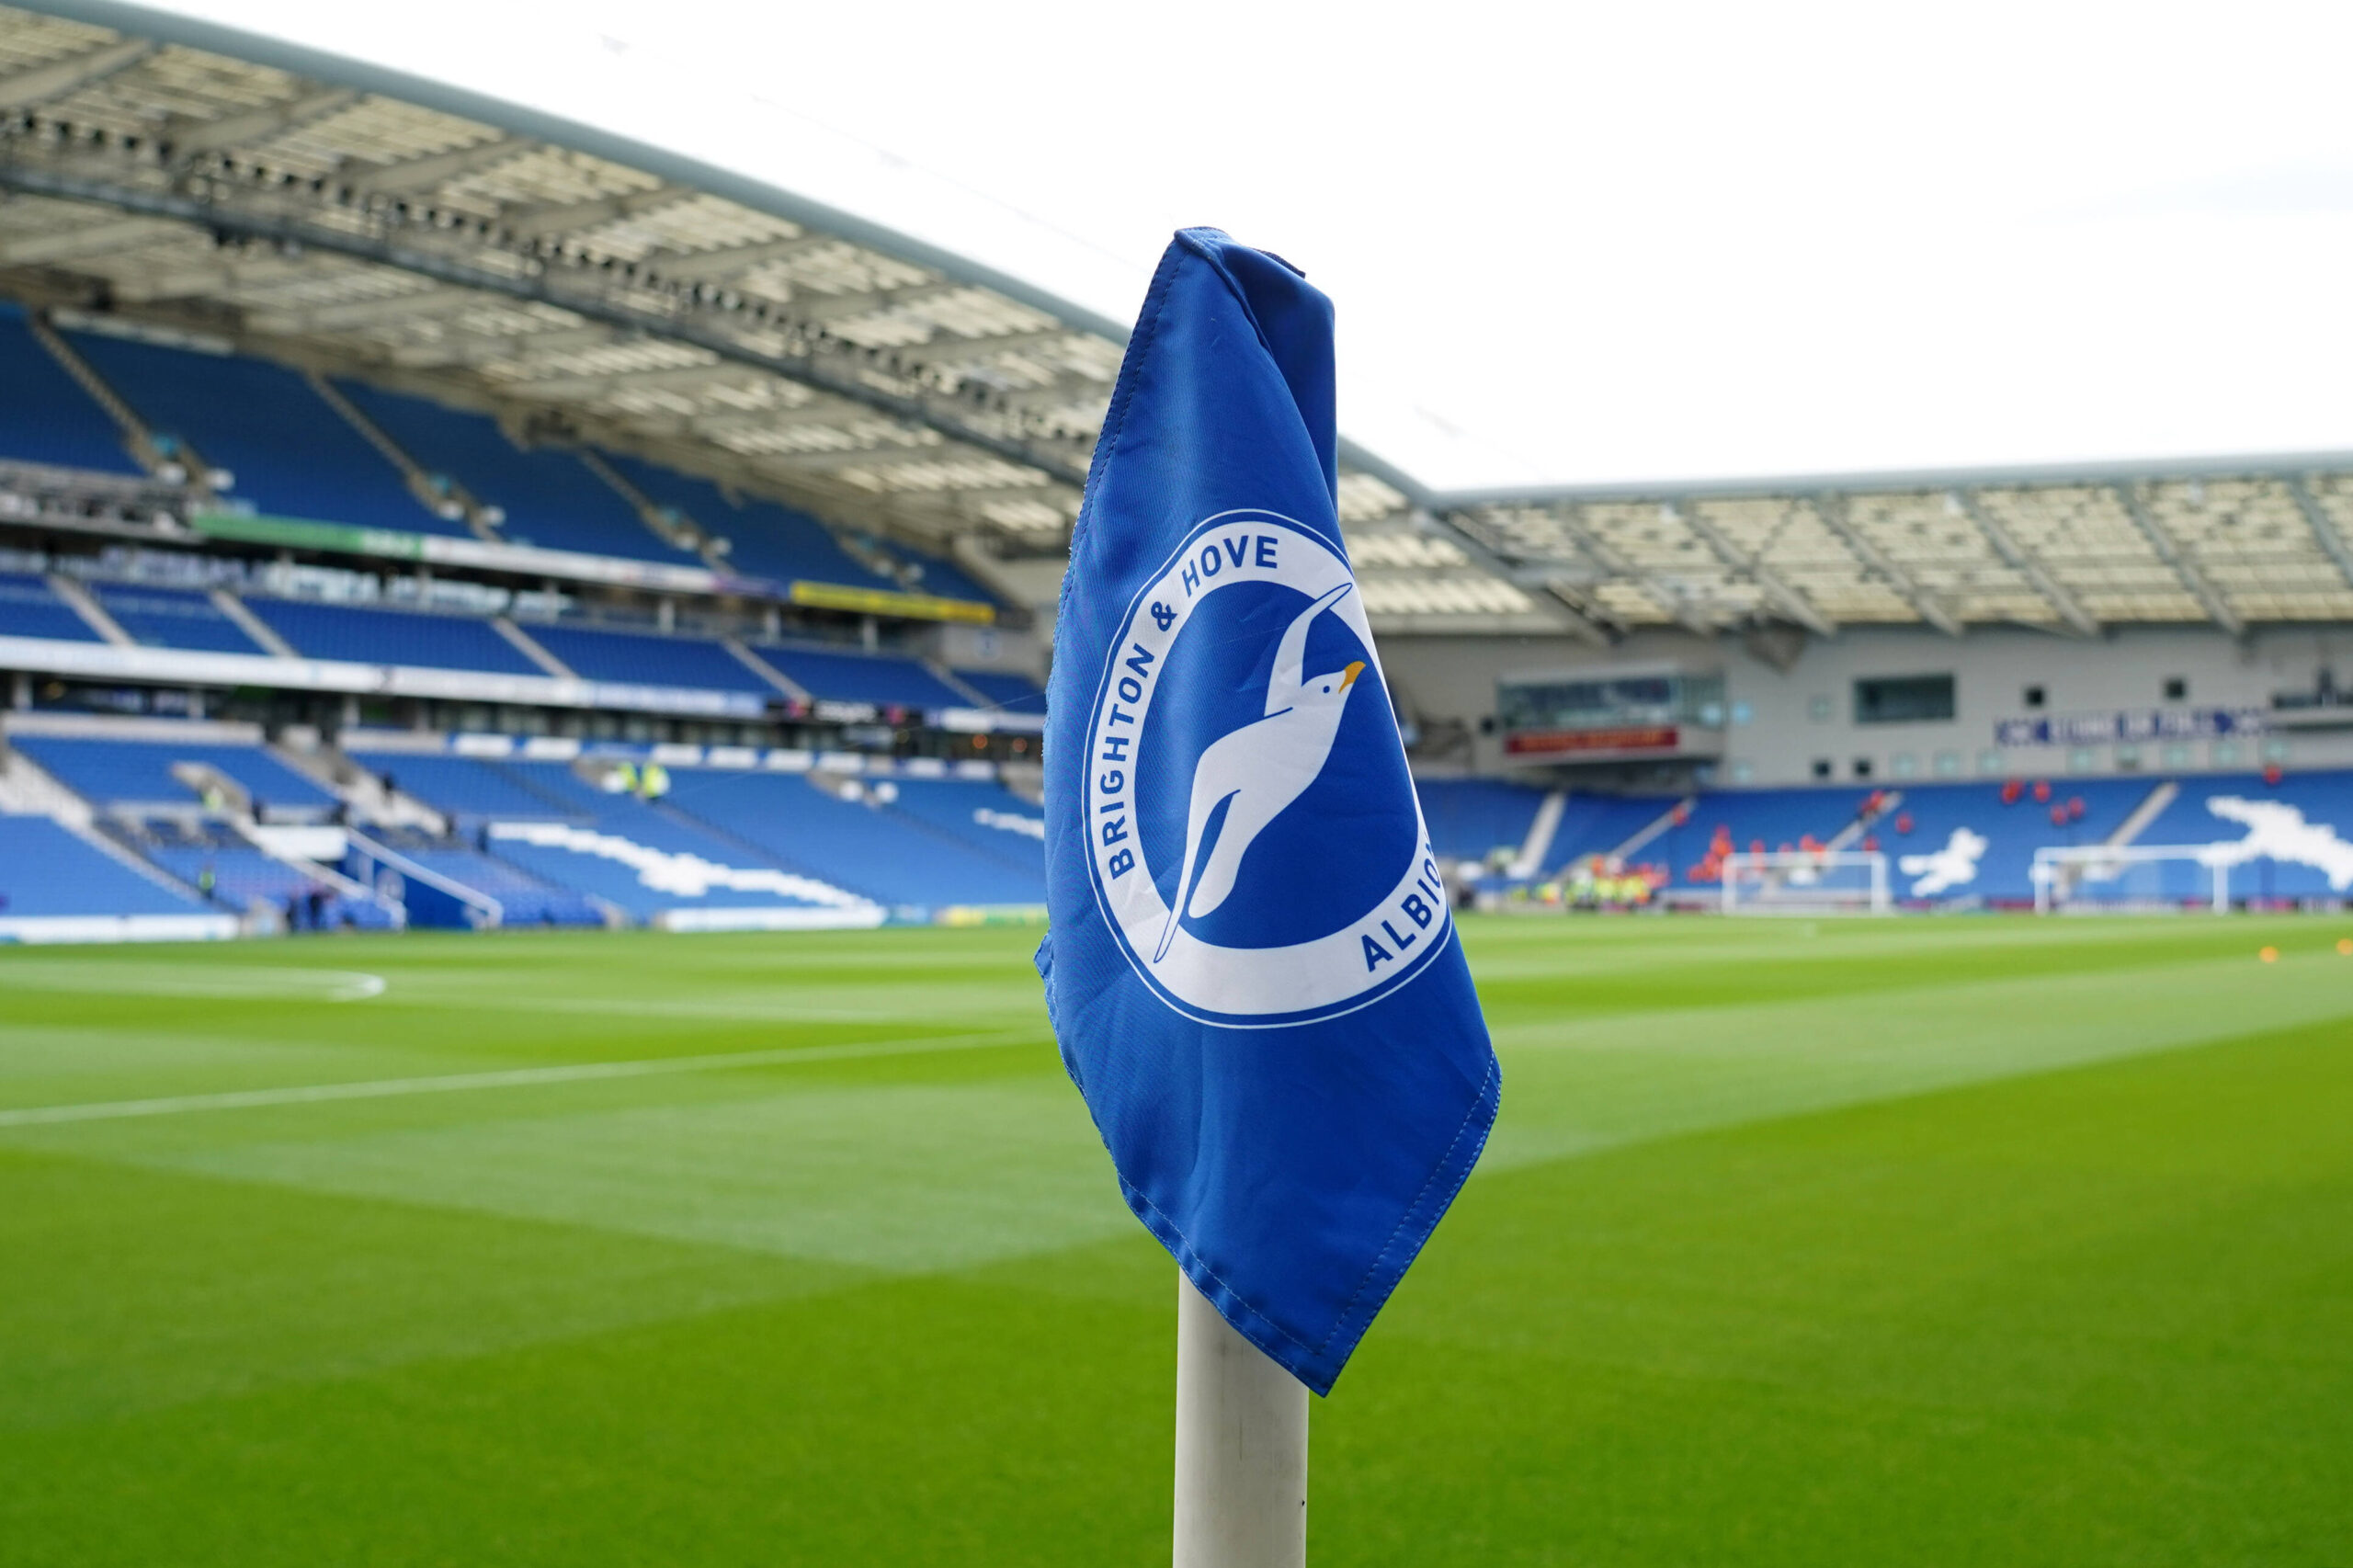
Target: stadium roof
x=161 y=171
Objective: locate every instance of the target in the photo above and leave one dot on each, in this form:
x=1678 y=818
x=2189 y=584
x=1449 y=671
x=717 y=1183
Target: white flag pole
x=1241 y=1446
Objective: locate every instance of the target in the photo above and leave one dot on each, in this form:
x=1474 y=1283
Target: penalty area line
x=518 y=1077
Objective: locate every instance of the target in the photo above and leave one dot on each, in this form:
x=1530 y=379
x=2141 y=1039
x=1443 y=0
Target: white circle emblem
x=1249 y=776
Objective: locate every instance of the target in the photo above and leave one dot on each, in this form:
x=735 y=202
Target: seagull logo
x=1254 y=773
x=1232 y=691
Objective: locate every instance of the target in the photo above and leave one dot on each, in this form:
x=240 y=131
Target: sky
x=1574 y=245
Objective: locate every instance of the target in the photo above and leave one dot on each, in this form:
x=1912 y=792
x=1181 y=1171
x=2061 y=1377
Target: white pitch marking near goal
x=1806 y=881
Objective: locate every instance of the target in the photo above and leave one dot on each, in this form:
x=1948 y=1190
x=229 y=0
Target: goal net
x=1806 y=881
x=2130 y=878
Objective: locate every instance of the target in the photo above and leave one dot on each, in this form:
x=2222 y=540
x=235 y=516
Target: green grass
x=1875 y=1242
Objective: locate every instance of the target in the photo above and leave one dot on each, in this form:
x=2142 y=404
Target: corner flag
x=1252 y=969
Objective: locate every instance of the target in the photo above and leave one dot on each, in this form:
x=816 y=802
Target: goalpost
x=2125 y=879
x=1806 y=881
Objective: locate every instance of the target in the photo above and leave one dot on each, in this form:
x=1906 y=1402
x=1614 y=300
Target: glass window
x=2177 y=755
x=2033 y=696
x=2083 y=759
x=1948 y=765
x=1744 y=714
x=1904 y=699
x=1903 y=764
x=1743 y=770
x=1862 y=768
x=1822 y=768
x=1818 y=709
x=2176 y=688
x=1990 y=761
x=2276 y=749
x=2225 y=754
x=2128 y=756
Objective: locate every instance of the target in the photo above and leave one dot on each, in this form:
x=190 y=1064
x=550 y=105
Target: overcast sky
x=1575 y=244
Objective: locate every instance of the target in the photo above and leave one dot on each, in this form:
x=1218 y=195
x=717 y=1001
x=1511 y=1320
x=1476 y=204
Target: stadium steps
x=2137 y=822
x=137 y=434
x=531 y=648
x=437 y=494
x=79 y=600
x=672 y=526
x=766 y=671
x=1538 y=844
x=1864 y=819
x=252 y=625
x=1655 y=826
x=948 y=678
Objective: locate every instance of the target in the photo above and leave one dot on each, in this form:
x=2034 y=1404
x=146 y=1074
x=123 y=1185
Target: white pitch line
x=519 y=1077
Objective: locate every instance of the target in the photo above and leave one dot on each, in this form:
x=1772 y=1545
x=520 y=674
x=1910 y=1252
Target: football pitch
x=1929 y=1242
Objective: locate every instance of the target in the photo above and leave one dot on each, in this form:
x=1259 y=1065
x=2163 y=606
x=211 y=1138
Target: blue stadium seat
x=47 y=870
x=861 y=677
x=1596 y=825
x=392 y=637
x=137 y=772
x=767 y=540
x=245 y=880
x=1007 y=691
x=45 y=416
x=524 y=899
x=29 y=609
x=879 y=851
x=2012 y=830
x=291 y=455
x=1470 y=817
x=1777 y=819
x=173 y=617
x=942 y=578
x=550 y=497
x=642 y=659
x=984 y=815
x=473 y=789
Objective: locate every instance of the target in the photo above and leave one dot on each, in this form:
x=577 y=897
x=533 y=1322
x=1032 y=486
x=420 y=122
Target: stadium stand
x=550 y=498
x=1773 y=819
x=45 y=416
x=1005 y=689
x=392 y=637
x=2013 y=829
x=861 y=677
x=649 y=659
x=130 y=773
x=28 y=608
x=1468 y=818
x=888 y=854
x=47 y=870
x=765 y=540
x=248 y=880
x=524 y=899
x=173 y=617
x=1598 y=824
x=472 y=789
x=939 y=576
x=288 y=453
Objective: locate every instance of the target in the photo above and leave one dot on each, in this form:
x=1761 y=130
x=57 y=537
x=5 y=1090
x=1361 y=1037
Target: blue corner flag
x=1252 y=969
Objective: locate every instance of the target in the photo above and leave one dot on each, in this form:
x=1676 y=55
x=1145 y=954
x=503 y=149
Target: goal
x=1806 y=881
x=2130 y=878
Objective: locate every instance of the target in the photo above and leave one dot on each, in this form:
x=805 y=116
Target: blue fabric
x=1251 y=968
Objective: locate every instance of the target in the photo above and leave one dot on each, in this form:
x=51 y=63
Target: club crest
x=1255 y=840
